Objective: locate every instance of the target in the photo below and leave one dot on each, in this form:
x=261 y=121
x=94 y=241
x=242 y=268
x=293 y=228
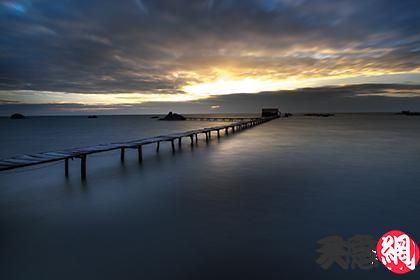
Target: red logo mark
x=398 y=252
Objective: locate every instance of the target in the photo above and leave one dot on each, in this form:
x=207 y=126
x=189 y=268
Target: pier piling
x=66 y=167
x=140 y=153
x=173 y=146
x=83 y=167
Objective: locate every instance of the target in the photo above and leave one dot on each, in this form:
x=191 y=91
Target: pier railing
x=82 y=153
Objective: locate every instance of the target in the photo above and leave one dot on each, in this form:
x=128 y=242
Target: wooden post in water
x=179 y=141
x=122 y=157
x=218 y=133
x=192 y=139
x=196 y=138
x=83 y=167
x=66 y=167
x=157 y=147
x=140 y=153
x=173 y=146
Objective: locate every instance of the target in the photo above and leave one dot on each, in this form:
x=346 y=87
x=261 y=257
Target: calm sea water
x=251 y=205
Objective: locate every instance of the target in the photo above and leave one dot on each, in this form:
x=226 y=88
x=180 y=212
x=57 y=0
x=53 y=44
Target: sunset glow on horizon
x=183 y=52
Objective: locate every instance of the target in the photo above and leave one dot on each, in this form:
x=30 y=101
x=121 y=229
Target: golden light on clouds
x=43 y=97
x=202 y=85
x=248 y=85
x=231 y=84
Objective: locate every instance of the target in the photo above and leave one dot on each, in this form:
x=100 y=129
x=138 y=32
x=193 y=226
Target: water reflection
x=250 y=206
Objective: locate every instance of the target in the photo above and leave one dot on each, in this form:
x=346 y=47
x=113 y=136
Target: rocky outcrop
x=409 y=113
x=173 y=117
x=17 y=116
x=319 y=115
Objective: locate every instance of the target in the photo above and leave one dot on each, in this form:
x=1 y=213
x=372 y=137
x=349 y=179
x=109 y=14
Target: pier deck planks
x=47 y=157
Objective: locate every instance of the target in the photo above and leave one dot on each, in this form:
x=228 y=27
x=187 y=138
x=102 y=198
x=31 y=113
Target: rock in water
x=319 y=115
x=17 y=116
x=173 y=117
x=409 y=113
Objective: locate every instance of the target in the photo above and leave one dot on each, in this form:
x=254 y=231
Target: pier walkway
x=225 y=119
x=82 y=153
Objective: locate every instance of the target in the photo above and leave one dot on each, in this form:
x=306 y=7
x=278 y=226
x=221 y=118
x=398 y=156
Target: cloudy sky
x=150 y=56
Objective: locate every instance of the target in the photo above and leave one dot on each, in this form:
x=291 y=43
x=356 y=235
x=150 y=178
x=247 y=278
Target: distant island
x=17 y=116
x=408 y=113
x=173 y=117
x=319 y=115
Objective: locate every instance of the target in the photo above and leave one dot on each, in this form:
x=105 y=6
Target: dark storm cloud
x=137 y=45
x=356 y=98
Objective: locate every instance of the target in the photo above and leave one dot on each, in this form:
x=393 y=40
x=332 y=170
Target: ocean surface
x=250 y=205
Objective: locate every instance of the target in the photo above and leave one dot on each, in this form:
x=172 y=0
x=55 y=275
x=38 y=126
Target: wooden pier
x=221 y=119
x=82 y=153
